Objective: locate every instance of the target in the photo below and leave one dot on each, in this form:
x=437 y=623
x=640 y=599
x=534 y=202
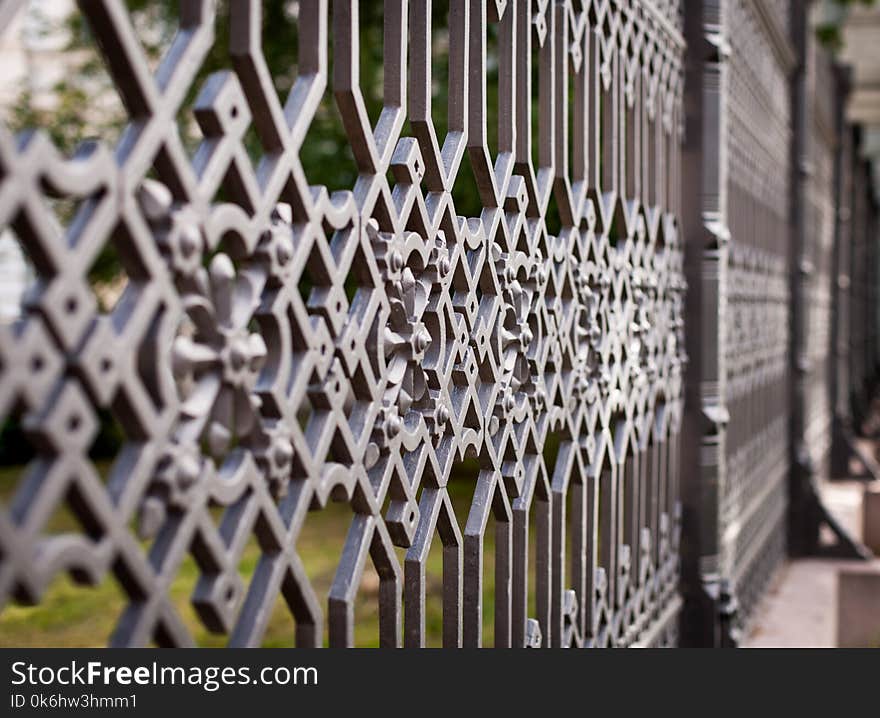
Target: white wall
x=29 y=59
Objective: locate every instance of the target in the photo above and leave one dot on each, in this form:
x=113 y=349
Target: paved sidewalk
x=800 y=609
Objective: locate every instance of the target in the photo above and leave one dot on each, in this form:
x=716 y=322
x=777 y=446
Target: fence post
x=803 y=524
x=842 y=286
x=706 y=232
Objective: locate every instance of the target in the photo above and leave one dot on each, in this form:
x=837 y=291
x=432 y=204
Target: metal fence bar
x=816 y=146
x=705 y=226
x=842 y=281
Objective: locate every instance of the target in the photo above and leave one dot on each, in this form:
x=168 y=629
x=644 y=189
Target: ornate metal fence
x=817 y=212
x=279 y=347
x=860 y=274
x=739 y=266
x=855 y=299
x=459 y=381
x=762 y=154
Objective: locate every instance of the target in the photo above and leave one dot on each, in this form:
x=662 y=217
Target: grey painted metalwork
x=842 y=276
x=817 y=256
x=763 y=139
x=816 y=103
x=283 y=349
x=421 y=338
x=738 y=307
x=857 y=338
x=852 y=305
x=863 y=274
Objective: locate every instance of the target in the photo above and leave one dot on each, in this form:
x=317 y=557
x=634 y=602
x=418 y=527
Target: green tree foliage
x=829 y=29
x=326 y=155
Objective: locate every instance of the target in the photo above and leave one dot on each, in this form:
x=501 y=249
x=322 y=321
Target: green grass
x=71 y=615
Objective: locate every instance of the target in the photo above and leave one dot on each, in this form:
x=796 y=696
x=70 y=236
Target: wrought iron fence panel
x=757 y=343
x=863 y=295
x=842 y=275
x=737 y=165
x=767 y=259
x=817 y=257
x=853 y=309
x=281 y=348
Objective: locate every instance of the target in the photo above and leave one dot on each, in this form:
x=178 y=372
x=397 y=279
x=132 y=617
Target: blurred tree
x=831 y=15
x=71 y=115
